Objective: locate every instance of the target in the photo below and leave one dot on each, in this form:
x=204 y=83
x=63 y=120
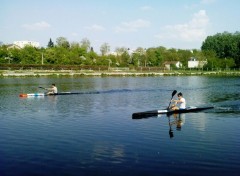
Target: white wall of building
x=22 y=44
x=194 y=63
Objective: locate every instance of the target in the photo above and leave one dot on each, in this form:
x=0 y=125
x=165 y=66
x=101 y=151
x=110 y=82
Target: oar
x=42 y=88
x=173 y=93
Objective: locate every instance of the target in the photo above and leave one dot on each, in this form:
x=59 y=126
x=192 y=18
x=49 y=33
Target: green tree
x=3 y=54
x=77 y=54
x=121 y=50
x=184 y=56
x=50 y=43
x=30 y=55
x=86 y=44
x=92 y=56
x=50 y=56
x=62 y=42
x=226 y=45
x=124 y=59
x=105 y=48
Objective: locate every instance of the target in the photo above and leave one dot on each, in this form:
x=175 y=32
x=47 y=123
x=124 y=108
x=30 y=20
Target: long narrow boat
x=45 y=94
x=140 y=115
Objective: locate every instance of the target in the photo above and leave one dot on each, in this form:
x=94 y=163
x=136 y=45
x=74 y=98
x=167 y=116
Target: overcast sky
x=180 y=24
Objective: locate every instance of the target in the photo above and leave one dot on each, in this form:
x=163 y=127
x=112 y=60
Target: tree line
x=221 y=50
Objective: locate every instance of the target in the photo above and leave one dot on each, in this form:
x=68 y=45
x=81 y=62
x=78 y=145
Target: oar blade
x=174 y=92
x=41 y=87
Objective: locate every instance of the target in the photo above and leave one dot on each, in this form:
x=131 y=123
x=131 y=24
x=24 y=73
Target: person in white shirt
x=52 y=90
x=181 y=101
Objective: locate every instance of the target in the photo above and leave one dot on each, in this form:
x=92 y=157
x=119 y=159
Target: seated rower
x=52 y=90
x=181 y=101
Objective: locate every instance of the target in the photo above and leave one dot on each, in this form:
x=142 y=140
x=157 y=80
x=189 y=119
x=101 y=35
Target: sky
x=179 y=24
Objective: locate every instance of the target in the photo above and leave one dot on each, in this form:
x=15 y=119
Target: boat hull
x=140 y=115
x=44 y=94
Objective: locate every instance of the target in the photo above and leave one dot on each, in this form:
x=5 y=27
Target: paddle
x=42 y=88
x=173 y=93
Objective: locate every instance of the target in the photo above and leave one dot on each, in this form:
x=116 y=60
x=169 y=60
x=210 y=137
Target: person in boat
x=180 y=101
x=52 y=89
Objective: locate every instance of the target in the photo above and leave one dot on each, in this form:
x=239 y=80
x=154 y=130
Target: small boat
x=60 y=93
x=140 y=115
x=45 y=94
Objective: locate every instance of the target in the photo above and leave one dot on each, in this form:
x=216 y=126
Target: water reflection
x=178 y=120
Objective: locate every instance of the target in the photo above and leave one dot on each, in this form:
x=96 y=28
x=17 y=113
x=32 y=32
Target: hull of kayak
x=139 y=115
x=44 y=94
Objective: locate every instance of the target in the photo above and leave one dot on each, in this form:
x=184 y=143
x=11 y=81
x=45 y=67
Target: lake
x=93 y=133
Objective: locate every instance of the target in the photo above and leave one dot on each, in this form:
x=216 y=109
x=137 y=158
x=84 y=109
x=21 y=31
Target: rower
x=52 y=89
x=181 y=101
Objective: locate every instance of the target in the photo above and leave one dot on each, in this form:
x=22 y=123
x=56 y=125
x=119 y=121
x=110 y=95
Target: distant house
x=194 y=63
x=13 y=46
x=169 y=64
x=22 y=44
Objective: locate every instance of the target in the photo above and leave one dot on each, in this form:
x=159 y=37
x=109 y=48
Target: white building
x=22 y=44
x=194 y=63
x=168 y=64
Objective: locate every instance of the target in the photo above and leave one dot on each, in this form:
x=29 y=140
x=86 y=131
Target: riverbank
x=40 y=73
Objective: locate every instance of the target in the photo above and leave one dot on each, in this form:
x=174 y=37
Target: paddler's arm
x=176 y=101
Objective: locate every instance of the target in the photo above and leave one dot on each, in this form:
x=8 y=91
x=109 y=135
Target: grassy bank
x=38 y=73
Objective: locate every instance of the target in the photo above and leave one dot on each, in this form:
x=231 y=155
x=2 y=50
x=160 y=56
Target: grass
x=39 y=73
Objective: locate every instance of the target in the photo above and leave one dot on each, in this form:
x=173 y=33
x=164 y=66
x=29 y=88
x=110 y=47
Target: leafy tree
x=226 y=45
x=74 y=45
x=50 y=43
x=160 y=53
x=62 y=42
x=105 y=48
x=50 y=56
x=77 y=54
x=124 y=60
x=3 y=54
x=16 y=55
x=30 y=55
x=184 y=56
x=152 y=57
x=121 y=50
x=85 y=43
x=92 y=55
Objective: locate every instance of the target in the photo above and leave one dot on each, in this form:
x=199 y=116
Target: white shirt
x=182 y=103
x=54 y=89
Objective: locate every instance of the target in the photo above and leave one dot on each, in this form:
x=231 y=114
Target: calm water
x=94 y=134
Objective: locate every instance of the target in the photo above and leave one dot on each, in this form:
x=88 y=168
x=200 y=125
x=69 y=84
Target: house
x=13 y=46
x=22 y=44
x=194 y=63
x=169 y=64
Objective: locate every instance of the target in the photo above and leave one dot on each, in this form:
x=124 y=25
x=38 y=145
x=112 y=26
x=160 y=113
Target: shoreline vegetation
x=42 y=73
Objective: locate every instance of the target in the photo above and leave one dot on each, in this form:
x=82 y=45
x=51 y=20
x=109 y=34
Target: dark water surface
x=94 y=134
